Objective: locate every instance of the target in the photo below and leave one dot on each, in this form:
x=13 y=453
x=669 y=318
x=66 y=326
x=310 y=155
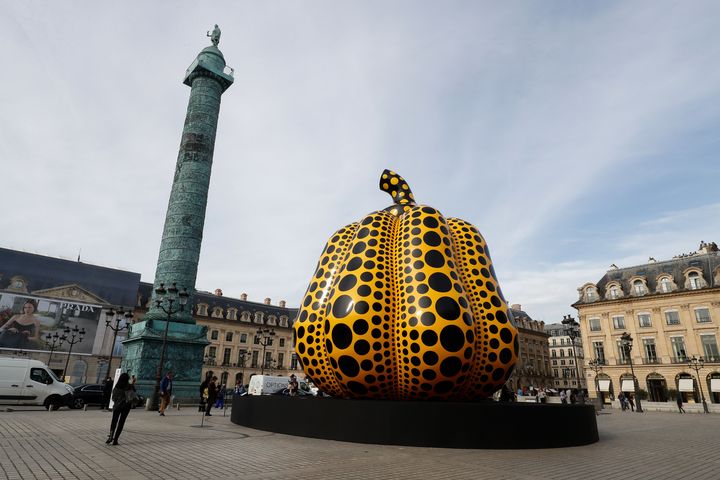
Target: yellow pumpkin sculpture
x=405 y=305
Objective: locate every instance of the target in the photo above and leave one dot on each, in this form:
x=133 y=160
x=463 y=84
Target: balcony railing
x=652 y=360
x=680 y=359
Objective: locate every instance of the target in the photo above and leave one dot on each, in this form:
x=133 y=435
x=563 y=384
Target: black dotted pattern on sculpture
x=310 y=327
x=497 y=337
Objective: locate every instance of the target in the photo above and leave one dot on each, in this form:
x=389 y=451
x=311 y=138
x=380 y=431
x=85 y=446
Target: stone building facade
x=567 y=358
x=671 y=309
x=533 y=365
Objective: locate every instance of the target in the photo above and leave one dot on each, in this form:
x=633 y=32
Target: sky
x=574 y=135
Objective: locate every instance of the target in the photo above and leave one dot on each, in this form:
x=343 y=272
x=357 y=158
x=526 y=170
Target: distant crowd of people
x=567 y=396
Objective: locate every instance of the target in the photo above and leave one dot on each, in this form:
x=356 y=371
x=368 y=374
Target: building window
x=562 y=362
x=639 y=287
x=594 y=324
x=622 y=353
x=650 y=351
x=258 y=317
x=232 y=314
x=590 y=294
x=242 y=355
x=202 y=309
x=229 y=336
x=672 y=317
x=281 y=360
x=283 y=321
x=293 y=362
x=214 y=335
x=618 y=322
x=256 y=340
x=226 y=356
x=614 y=292
x=282 y=342
x=693 y=280
x=665 y=285
x=555 y=372
x=562 y=352
x=644 y=320
x=243 y=338
x=554 y=342
x=554 y=361
x=570 y=352
x=710 y=348
x=678 y=348
x=599 y=351
x=254 y=361
x=217 y=312
x=553 y=354
x=702 y=315
x=212 y=351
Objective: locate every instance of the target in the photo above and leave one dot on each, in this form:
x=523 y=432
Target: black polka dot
x=440 y=282
x=348 y=282
x=430 y=358
x=366 y=276
x=506 y=335
x=342 y=306
x=357 y=388
x=429 y=338
x=434 y=258
x=364 y=290
x=498 y=374
x=432 y=239
x=447 y=308
x=494 y=343
x=362 y=347
x=424 y=302
x=362 y=307
x=354 y=264
x=505 y=355
x=430 y=222
x=443 y=387
x=348 y=366
x=341 y=336
x=429 y=375
x=427 y=319
x=450 y=366
x=452 y=338
x=359 y=247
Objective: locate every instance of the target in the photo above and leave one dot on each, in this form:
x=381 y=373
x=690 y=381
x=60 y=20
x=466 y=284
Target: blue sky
x=572 y=135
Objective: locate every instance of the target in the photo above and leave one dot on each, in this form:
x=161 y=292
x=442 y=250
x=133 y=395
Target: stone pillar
x=181 y=240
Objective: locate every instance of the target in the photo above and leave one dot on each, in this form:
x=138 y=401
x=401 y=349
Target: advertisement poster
x=25 y=320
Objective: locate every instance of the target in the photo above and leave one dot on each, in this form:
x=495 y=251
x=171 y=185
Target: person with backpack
x=123 y=396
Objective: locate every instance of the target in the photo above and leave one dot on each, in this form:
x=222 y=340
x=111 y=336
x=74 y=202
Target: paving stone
x=70 y=444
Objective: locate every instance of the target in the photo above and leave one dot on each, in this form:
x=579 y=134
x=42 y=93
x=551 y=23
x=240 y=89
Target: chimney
x=516 y=306
x=243 y=297
x=282 y=304
x=218 y=292
x=267 y=301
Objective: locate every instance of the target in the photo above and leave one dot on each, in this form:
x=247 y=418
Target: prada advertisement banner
x=25 y=320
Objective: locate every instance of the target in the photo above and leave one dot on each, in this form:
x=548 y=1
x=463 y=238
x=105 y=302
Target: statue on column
x=214 y=35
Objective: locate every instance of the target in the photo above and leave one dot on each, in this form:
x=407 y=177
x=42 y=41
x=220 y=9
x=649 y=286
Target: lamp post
x=70 y=337
x=626 y=341
x=596 y=365
x=117 y=317
x=244 y=354
x=572 y=331
x=265 y=336
x=697 y=363
x=54 y=342
x=166 y=296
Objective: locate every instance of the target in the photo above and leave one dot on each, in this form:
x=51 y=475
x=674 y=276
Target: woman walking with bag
x=123 y=396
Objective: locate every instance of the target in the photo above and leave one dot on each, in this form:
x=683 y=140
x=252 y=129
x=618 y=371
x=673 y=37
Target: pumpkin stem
x=397 y=188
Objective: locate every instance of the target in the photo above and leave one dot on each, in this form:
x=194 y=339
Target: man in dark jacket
x=211 y=396
x=165 y=392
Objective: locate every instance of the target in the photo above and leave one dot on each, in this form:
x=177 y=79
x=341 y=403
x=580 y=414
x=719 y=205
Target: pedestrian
x=220 y=402
x=621 y=399
x=292 y=385
x=631 y=401
x=123 y=396
x=107 y=392
x=165 y=392
x=563 y=397
x=203 y=391
x=542 y=395
x=239 y=389
x=679 y=401
x=211 y=395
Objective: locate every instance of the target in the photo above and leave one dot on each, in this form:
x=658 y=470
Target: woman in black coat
x=121 y=407
x=212 y=395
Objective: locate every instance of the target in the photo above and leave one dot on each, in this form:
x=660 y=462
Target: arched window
x=693 y=280
x=639 y=287
x=666 y=285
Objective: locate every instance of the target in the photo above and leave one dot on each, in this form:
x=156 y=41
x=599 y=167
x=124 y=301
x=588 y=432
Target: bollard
x=85 y=408
x=178 y=406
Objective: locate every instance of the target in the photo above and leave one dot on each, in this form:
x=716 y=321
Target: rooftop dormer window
x=638 y=287
x=666 y=285
x=694 y=279
x=614 y=291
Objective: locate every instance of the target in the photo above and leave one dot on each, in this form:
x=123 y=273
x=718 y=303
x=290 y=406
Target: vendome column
x=182 y=237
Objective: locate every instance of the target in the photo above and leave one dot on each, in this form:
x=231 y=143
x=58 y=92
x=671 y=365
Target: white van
x=30 y=382
x=266 y=384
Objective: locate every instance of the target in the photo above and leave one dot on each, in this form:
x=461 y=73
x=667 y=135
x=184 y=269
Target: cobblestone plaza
x=36 y=444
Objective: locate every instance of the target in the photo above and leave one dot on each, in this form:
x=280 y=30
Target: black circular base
x=421 y=424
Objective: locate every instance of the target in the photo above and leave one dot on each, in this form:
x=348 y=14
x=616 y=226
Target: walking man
x=679 y=403
x=165 y=392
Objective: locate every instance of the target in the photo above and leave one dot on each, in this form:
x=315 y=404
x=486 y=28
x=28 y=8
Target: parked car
x=91 y=394
x=286 y=391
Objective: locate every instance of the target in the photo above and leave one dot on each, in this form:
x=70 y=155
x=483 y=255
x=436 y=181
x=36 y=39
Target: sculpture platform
x=489 y=425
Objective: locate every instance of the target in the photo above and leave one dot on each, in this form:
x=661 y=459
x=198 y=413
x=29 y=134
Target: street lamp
x=169 y=296
x=264 y=336
x=117 y=317
x=244 y=354
x=626 y=341
x=697 y=364
x=53 y=342
x=596 y=365
x=572 y=331
x=70 y=337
